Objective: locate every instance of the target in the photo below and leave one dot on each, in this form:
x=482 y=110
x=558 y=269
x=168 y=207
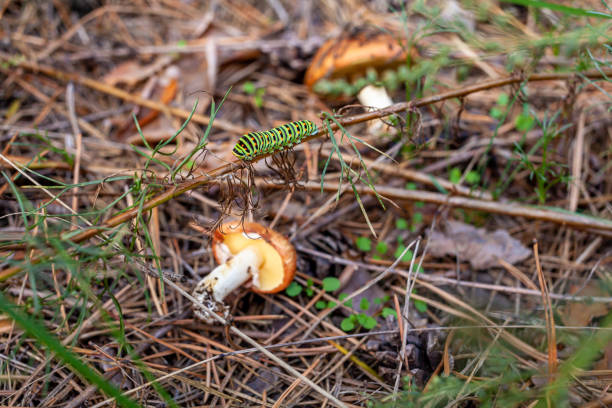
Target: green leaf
x=382 y=247
x=411 y=186
x=367 y=322
x=370 y=323
x=455 y=175
x=524 y=122
x=364 y=244
x=378 y=301
x=417 y=218
x=364 y=304
x=321 y=304
x=293 y=289
x=559 y=7
x=407 y=256
x=331 y=284
x=420 y=306
x=331 y=304
x=401 y=224
x=249 y=88
x=387 y=311
x=472 y=177
x=309 y=292
x=419 y=204
x=258 y=101
x=503 y=99
x=348 y=303
x=347 y=324
x=496 y=113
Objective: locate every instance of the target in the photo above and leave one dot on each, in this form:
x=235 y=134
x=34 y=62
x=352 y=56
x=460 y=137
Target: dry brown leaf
x=481 y=248
x=131 y=72
x=5 y=324
x=606 y=361
x=581 y=313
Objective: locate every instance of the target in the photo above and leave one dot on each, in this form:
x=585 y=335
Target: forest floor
x=452 y=249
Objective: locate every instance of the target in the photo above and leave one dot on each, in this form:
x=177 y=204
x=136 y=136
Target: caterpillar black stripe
x=257 y=144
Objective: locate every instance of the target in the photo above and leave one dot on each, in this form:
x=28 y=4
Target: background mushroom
x=245 y=251
x=357 y=58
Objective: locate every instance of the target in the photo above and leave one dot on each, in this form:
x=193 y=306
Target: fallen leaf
x=131 y=72
x=481 y=248
x=581 y=313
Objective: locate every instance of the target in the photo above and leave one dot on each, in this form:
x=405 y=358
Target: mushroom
x=357 y=55
x=245 y=251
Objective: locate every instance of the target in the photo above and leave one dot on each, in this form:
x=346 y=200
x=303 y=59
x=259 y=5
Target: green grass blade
x=559 y=7
x=202 y=143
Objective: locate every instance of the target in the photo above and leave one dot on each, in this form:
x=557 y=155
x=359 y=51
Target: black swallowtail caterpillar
x=257 y=144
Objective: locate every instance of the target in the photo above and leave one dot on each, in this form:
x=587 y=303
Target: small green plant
x=309 y=287
x=382 y=300
x=454 y=176
x=331 y=284
x=546 y=173
x=387 y=311
x=401 y=224
x=249 y=88
x=525 y=121
x=294 y=289
x=472 y=177
x=407 y=255
x=361 y=319
x=381 y=249
x=364 y=244
x=499 y=110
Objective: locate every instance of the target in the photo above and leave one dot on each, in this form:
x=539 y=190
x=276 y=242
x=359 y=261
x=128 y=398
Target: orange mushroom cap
x=279 y=257
x=352 y=54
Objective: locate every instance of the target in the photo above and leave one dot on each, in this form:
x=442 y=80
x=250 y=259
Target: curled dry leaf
x=481 y=248
x=581 y=313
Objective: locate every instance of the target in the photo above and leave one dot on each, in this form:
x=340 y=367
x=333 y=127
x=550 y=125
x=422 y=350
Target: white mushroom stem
x=235 y=272
x=374 y=96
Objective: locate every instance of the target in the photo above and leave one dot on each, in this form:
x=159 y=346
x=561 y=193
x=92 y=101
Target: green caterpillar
x=257 y=144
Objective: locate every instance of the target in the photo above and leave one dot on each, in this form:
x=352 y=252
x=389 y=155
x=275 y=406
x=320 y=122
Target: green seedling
x=398 y=252
x=387 y=311
x=525 y=121
x=365 y=321
x=401 y=224
x=364 y=244
x=498 y=111
x=331 y=284
x=472 y=177
x=382 y=247
x=454 y=176
x=294 y=289
x=249 y=88
x=309 y=289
